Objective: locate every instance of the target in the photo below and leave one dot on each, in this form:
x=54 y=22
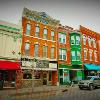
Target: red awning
x=8 y=65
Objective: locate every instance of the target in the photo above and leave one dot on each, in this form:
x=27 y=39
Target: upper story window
x=28 y=28
x=73 y=56
x=94 y=43
x=78 y=55
x=77 y=40
x=45 y=48
x=45 y=33
x=72 y=40
x=90 y=53
x=37 y=29
x=62 y=54
x=36 y=50
x=89 y=41
x=62 y=38
x=95 y=56
x=52 y=35
x=52 y=52
x=27 y=49
x=84 y=39
x=85 y=54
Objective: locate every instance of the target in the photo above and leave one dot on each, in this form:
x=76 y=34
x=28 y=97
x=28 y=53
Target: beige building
x=10 y=54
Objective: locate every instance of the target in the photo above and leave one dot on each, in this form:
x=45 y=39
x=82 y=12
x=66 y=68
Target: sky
x=72 y=13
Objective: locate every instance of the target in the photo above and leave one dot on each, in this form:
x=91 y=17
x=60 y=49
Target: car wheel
x=91 y=87
x=80 y=88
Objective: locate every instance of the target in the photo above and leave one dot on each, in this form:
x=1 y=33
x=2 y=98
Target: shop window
x=36 y=50
x=72 y=40
x=77 y=40
x=37 y=74
x=27 y=76
x=52 y=35
x=62 y=54
x=27 y=48
x=45 y=33
x=73 y=55
x=62 y=38
x=45 y=51
x=28 y=28
x=52 y=52
x=37 y=29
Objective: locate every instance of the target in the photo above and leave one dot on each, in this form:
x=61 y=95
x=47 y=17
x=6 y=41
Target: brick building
x=39 y=48
x=90 y=51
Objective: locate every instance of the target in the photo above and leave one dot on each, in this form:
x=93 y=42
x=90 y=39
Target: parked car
x=90 y=83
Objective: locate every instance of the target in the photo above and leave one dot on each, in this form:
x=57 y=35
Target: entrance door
x=1 y=80
x=44 y=78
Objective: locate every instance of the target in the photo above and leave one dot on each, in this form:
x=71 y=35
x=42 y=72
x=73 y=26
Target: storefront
x=91 y=70
x=8 y=74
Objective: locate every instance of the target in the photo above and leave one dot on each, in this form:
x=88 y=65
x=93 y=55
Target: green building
x=76 y=72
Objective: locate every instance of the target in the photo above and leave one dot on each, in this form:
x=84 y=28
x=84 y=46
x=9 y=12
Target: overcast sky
x=70 y=12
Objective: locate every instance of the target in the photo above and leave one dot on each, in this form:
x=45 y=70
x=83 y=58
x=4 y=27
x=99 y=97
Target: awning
x=92 y=67
x=8 y=65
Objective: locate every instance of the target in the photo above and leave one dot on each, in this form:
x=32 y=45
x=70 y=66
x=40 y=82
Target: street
x=74 y=93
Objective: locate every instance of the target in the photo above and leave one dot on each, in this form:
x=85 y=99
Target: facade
x=76 y=73
x=39 y=49
x=90 y=51
x=64 y=54
x=10 y=53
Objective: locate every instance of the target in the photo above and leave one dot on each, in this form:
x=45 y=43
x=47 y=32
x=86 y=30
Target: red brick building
x=90 y=51
x=39 y=48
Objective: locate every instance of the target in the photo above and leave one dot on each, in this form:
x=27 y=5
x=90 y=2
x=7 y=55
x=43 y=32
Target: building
x=39 y=49
x=90 y=51
x=64 y=54
x=10 y=53
x=76 y=72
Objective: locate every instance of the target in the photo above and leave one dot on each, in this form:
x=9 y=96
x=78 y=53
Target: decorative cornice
x=41 y=17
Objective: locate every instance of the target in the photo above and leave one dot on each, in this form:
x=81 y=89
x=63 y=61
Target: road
x=74 y=93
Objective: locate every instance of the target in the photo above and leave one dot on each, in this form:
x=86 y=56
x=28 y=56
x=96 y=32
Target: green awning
x=92 y=67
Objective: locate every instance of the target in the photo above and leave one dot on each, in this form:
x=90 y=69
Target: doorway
x=45 y=78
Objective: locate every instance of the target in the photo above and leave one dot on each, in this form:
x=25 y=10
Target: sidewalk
x=29 y=93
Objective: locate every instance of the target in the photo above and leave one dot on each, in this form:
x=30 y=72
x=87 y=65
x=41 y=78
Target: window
x=78 y=55
x=52 y=52
x=72 y=40
x=62 y=38
x=95 y=55
x=73 y=55
x=90 y=55
x=27 y=48
x=36 y=50
x=89 y=41
x=94 y=43
x=45 y=51
x=85 y=54
x=37 y=31
x=62 y=54
x=52 y=35
x=84 y=39
x=45 y=33
x=28 y=28
x=77 y=40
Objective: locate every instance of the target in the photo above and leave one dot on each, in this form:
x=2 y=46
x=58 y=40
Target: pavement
x=32 y=93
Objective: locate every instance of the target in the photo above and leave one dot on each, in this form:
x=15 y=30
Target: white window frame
x=91 y=54
x=89 y=41
x=52 y=35
x=52 y=55
x=84 y=39
x=28 y=29
x=27 y=47
x=62 y=37
x=78 y=38
x=85 y=51
x=45 y=51
x=94 y=42
x=95 y=56
x=37 y=30
x=79 y=53
x=36 y=51
x=62 y=53
x=45 y=33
